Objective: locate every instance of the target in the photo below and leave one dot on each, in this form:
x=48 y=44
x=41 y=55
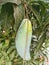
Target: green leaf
x=41 y=40
x=36 y=14
x=0 y=7
x=7 y=18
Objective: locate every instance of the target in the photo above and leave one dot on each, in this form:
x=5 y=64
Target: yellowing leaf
x=23 y=39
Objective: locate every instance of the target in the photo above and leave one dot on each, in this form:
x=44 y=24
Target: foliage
x=12 y=12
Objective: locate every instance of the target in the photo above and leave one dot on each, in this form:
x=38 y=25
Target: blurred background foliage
x=12 y=12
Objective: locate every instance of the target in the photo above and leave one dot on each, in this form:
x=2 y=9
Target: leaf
x=7 y=18
x=23 y=39
x=18 y=15
x=41 y=40
x=0 y=7
x=11 y=1
x=36 y=14
x=12 y=55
